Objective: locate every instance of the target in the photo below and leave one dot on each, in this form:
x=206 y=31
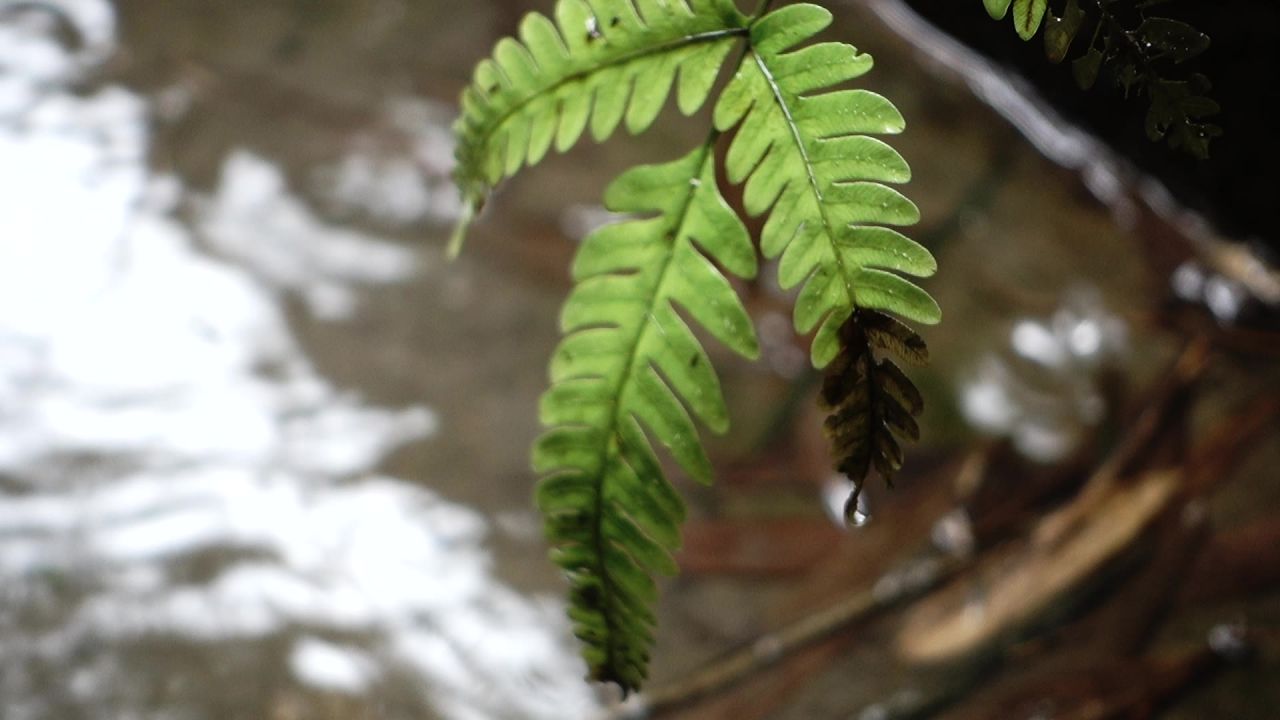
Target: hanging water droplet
x=855 y=509
x=858 y=518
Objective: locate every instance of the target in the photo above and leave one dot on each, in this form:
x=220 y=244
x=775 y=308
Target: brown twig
x=897 y=586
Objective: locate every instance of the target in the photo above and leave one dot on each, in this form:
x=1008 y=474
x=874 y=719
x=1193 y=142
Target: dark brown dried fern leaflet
x=872 y=404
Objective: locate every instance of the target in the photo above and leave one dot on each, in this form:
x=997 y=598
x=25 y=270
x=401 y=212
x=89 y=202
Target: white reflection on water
x=333 y=667
x=398 y=177
x=1047 y=395
x=155 y=410
x=253 y=220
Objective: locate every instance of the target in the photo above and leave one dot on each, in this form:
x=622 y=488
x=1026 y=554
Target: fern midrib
x=688 y=40
x=634 y=362
x=813 y=179
x=874 y=416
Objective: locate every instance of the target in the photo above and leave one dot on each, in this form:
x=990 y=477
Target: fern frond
x=805 y=153
x=630 y=364
x=809 y=162
x=600 y=64
x=872 y=405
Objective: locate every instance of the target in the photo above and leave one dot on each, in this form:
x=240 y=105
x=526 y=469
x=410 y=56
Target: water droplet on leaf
x=858 y=518
x=855 y=510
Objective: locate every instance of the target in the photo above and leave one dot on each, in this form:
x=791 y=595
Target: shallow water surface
x=195 y=521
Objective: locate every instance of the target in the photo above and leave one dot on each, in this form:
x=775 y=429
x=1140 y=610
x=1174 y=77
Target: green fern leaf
x=1027 y=16
x=600 y=64
x=630 y=364
x=996 y=8
x=809 y=163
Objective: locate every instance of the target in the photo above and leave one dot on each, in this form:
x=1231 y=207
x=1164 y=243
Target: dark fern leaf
x=1136 y=51
x=1060 y=32
x=872 y=404
x=1172 y=40
x=1177 y=111
x=895 y=338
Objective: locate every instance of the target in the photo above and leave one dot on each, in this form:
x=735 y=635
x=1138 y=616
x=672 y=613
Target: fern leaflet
x=872 y=404
x=1027 y=14
x=808 y=162
x=601 y=63
x=627 y=364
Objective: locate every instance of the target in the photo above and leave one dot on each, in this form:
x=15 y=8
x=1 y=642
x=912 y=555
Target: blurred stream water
x=174 y=472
